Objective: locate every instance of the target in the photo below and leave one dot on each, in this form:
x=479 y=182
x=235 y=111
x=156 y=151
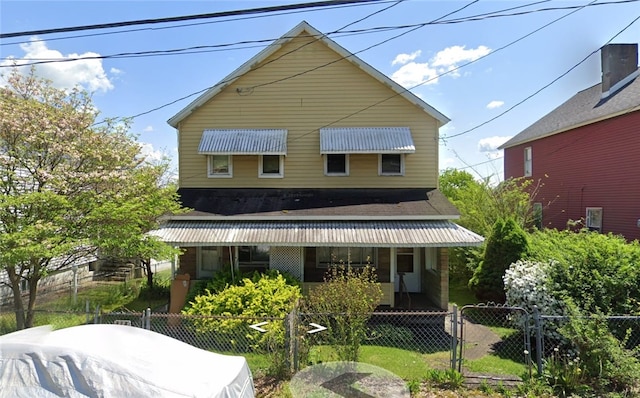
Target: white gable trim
x=276 y=45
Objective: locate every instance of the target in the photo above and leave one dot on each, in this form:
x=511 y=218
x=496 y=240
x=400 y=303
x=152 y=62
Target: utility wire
x=243 y=44
x=545 y=86
x=479 y=17
x=211 y=48
x=260 y=10
x=158 y=28
x=262 y=65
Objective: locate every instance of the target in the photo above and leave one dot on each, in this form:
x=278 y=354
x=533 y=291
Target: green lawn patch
x=495 y=365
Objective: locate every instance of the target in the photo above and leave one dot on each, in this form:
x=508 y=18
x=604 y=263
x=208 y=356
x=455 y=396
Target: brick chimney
x=619 y=66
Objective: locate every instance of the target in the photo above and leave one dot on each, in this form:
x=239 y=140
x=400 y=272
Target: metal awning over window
x=343 y=140
x=419 y=233
x=243 y=142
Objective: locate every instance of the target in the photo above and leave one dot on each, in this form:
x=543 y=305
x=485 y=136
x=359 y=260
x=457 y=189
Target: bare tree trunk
x=147 y=267
x=17 y=297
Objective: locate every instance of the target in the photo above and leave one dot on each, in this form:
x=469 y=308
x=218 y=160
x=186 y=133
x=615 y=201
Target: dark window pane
x=271 y=164
x=391 y=164
x=336 y=164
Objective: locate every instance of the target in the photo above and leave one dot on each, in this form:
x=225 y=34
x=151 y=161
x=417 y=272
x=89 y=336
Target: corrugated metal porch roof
x=243 y=142
x=318 y=233
x=366 y=140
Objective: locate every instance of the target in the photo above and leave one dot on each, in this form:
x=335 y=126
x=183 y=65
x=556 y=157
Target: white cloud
x=456 y=54
x=446 y=61
x=404 y=58
x=412 y=74
x=495 y=104
x=147 y=129
x=85 y=72
x=491 y=144
x=149 y=153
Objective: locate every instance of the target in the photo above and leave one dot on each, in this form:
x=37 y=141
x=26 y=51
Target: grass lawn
x=460 y=294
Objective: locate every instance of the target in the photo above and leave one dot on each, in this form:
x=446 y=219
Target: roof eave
x=266 y=52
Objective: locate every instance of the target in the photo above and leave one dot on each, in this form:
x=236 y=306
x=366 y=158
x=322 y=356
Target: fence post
x=538 y=327
x=454 y=337
x=97 y=315
x=87 y=311
x=147 y=319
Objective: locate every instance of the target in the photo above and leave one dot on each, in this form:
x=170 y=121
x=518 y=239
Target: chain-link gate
x=493 y=330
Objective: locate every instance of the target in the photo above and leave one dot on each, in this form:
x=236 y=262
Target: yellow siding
x=387 y=291
x=337 y=95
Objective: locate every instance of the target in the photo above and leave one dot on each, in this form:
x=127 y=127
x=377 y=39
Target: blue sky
x=470 y=95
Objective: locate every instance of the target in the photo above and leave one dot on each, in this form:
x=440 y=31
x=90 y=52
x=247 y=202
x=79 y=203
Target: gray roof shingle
x=585 y=107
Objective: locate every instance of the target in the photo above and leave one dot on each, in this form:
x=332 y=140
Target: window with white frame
x=271 y=166
x=352 y=256
x=594 y=218
x=528 y=162
x=391 y=164
x=336 y=164
x=219 y=166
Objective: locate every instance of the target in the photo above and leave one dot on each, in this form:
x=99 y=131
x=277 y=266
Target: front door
x=209 y=262
x=407 y=269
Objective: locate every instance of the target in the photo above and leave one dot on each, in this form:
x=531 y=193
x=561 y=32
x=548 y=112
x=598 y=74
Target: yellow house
x=305 y=156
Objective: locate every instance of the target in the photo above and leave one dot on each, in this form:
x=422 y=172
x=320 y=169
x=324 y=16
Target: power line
x=545 y=86
x=260 y=10
x=340 y=33
x=159 y=28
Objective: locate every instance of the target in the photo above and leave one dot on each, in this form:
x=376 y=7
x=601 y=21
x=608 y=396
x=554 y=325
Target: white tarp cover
x=115 y=361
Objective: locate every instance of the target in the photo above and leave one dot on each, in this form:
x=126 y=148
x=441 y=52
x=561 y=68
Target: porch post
x=392 y=278
x=174 y=261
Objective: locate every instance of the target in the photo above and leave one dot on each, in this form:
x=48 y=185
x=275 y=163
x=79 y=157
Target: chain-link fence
x=490 y=334
x=550 y=333
x=486 y=339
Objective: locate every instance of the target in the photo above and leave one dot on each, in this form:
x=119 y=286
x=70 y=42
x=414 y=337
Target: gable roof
x=286 y=38
x=584 y=108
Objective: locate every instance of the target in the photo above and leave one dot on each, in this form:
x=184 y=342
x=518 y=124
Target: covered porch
x=410 y=257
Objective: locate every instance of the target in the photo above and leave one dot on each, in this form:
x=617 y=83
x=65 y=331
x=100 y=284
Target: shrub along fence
x=466 y=335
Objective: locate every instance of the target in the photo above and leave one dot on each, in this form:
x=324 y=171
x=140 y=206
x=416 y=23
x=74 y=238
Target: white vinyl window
x=219 y=166
x=528 y=162
x=594 y=218
x=271 y=166
x=336 y=164
x=391 y=164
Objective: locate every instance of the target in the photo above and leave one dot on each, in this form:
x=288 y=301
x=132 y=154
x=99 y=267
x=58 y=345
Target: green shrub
x=598 y=272
x=507 y=244
x=605 y=363
x=230 y=311
x=344 y=303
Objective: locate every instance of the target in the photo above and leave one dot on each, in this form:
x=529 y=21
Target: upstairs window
x=527 y=162
x=594 y=218
x=219 y=166
x=271 y=166
x=336 y=164
x=391 y=164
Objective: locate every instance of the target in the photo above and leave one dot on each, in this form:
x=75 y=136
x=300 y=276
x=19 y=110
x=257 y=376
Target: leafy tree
x=69 y=186
x=481 y=204
x=506 y=245
x=344 y=303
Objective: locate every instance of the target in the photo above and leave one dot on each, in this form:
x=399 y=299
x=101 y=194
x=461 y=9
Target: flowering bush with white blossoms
x=527 y=283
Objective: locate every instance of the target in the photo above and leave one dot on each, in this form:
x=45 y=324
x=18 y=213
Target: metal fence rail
x=467 y=334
